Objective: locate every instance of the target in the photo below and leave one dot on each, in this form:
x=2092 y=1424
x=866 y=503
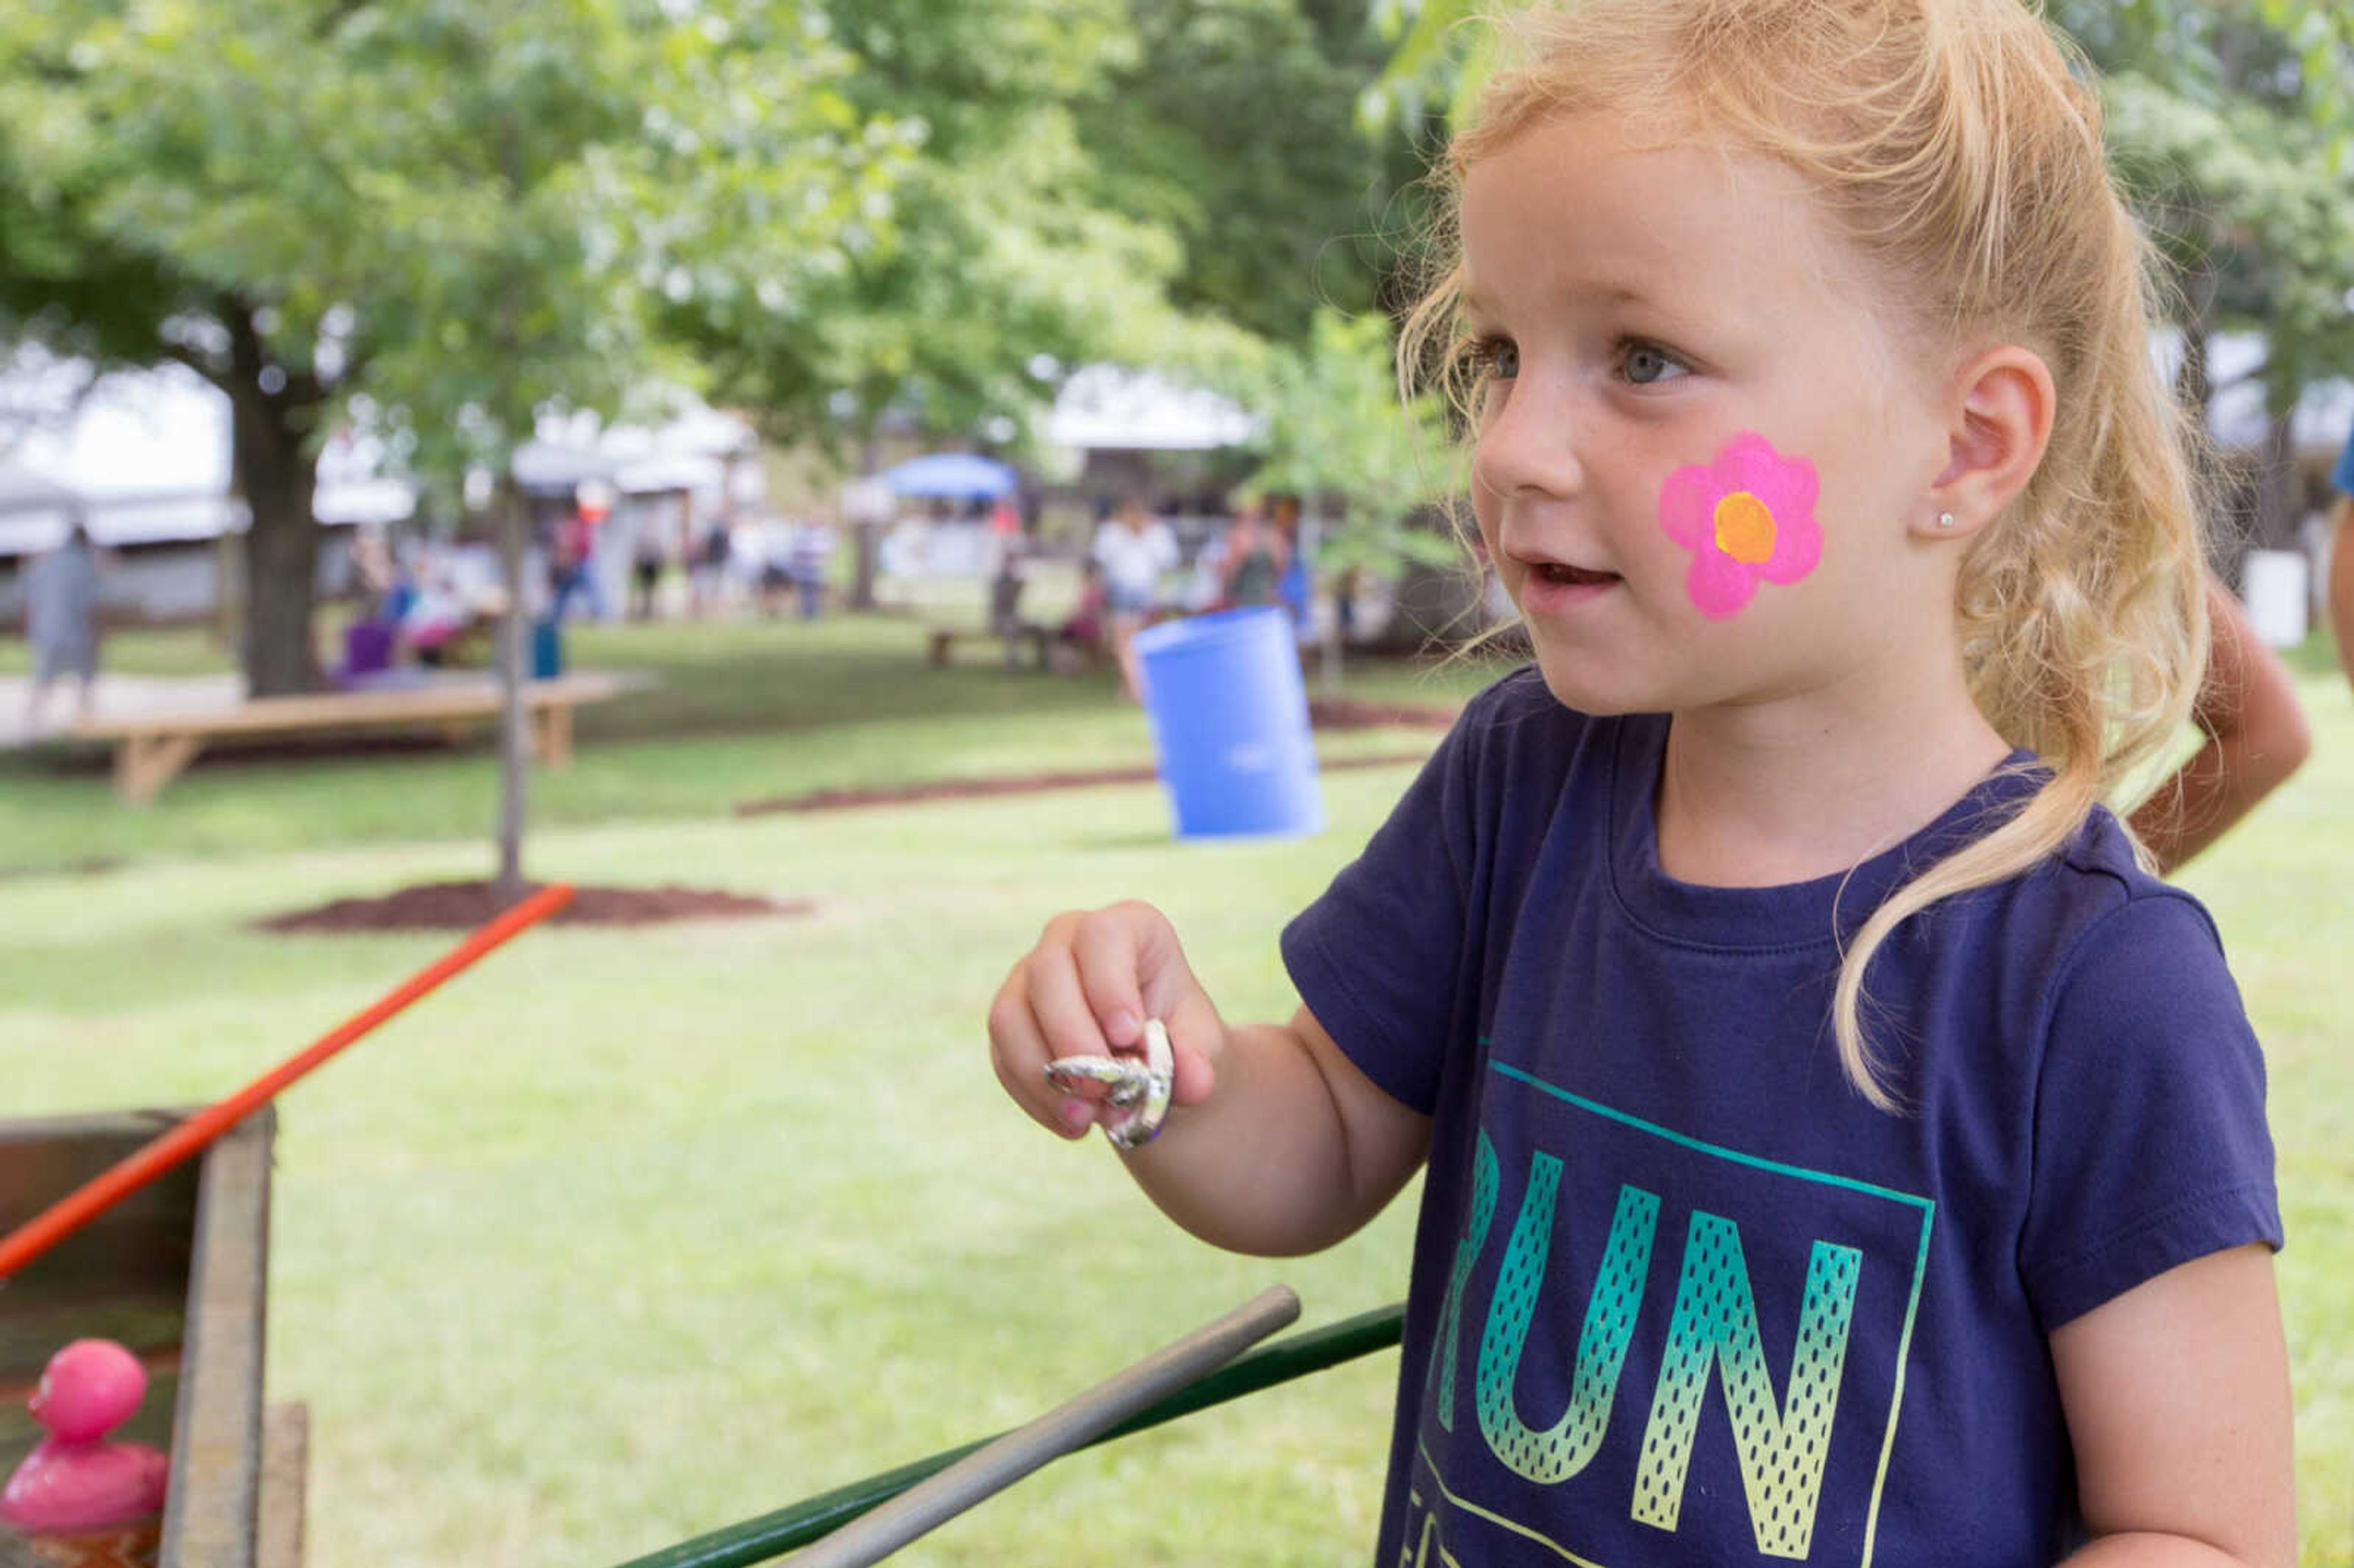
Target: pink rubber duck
x=74 y=1478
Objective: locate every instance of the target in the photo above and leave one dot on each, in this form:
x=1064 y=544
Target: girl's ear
x=2000 y=421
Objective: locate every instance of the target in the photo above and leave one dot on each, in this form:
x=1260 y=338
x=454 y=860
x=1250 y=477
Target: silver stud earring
x=1945 y=519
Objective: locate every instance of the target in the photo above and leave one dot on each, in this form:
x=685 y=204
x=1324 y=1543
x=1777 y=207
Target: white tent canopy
x=142 y=455
x=691 y=452
x=1108 y=407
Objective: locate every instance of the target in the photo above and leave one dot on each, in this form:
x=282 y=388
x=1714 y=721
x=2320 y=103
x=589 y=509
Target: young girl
x=1838 y=1148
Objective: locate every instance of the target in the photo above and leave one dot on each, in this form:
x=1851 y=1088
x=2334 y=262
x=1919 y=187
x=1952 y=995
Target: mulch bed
x=1324 y=713
x=462 y=906
x=1341 y=712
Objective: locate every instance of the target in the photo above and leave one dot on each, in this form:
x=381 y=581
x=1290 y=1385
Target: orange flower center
x=1744 y=528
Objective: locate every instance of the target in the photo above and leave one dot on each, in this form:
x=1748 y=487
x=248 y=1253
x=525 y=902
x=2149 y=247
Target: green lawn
x=628 y=1235
x=741 y=710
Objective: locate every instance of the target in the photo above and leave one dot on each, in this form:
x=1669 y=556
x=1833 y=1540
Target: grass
x=631 y=1235
x=741 y=711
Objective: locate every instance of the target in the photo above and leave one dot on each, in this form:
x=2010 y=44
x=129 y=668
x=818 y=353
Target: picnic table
x=151 y=748
x=940 y=640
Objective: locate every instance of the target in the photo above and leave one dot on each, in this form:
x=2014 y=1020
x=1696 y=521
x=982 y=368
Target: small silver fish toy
x=1140 y=1087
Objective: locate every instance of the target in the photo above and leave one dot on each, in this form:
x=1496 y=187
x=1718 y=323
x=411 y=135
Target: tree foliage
x=1231 y=126
x=436 y=216
x=2227 y=123
x=1001 y=266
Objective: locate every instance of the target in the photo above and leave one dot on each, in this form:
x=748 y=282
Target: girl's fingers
x=1017 y=1052
x=1087 y=991
x=1108 y=946
x=1059 y=1000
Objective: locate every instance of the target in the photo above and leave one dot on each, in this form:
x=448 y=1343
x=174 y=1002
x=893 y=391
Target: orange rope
x=111 y=1186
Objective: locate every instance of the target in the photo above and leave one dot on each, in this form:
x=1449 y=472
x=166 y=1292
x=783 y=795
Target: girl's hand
x=1085 y=990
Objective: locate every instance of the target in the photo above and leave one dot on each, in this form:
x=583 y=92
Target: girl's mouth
x=1573 y=577
x=1553 y=588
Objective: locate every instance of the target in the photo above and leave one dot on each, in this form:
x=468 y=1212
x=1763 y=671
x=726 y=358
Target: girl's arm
x=2177 y=1403
x=2256 y=738
x=1294 y=1150
x=1277 y=1145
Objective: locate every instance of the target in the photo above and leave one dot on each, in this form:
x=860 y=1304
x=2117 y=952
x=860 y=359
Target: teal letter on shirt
x=1783 y=1446
x=1487 y=1173
x=1566 y=1448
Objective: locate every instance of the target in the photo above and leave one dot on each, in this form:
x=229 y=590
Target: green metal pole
x=773 y=1534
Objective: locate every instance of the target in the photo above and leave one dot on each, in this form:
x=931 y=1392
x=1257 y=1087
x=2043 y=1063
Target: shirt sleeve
x=1376 y=958
x=2344 y=476
x=2150 y=1143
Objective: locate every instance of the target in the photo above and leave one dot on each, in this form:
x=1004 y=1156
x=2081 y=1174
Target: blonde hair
x=1957 y=146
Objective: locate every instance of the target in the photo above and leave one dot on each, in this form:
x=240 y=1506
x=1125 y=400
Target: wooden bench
x=149 y=749
x=940 y=640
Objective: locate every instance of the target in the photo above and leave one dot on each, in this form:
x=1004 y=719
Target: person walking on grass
x=61 y=590
x=1133 y=548
x=1834 y=1140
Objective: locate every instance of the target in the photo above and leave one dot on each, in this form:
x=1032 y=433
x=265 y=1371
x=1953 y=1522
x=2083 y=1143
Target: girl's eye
x=1499 y=358
x=1646 y=365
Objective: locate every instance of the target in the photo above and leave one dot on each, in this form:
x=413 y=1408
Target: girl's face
x=1698 y=453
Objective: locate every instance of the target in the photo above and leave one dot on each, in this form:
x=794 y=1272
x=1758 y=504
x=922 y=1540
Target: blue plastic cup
x=1230 y=725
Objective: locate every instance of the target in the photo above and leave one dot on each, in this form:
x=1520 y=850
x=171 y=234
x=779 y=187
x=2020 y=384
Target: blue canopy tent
x=951 y=476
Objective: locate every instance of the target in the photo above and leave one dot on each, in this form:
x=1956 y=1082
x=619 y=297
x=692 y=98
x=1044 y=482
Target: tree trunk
x=2276 y=518
x=866 y=533
x=281 y=548
x=1326 y=630
x=514 y=734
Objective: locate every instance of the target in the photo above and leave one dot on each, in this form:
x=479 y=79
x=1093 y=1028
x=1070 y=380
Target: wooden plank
x=552 y=735
x=210 y=1515
x=349 y=709
x=143 y=764
x=285 y=1485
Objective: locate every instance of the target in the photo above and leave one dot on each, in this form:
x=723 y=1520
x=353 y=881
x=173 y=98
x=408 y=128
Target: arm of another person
x=1278 y=1145
x=2342 y=584
x=2177 y=1402
x=2256 y=738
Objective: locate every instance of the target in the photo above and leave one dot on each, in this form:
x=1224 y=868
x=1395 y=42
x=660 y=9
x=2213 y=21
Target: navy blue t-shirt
x=1679 y=1295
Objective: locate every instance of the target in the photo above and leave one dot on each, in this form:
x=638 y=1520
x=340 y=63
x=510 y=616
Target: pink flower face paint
x=1748 y=515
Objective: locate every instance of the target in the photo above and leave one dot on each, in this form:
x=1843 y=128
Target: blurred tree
x=1231 y=124
x=1004 y=267
x=303 y=202
x=443 y=219
x=1164 y=182
x=2229 y=124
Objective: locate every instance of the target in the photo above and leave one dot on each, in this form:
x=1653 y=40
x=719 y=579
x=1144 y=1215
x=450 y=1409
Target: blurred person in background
x=1133 y=548
x=1256 y=556
x=61 y=621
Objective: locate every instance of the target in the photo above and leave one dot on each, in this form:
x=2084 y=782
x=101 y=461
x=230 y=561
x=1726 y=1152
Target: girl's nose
x=1527 y=445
